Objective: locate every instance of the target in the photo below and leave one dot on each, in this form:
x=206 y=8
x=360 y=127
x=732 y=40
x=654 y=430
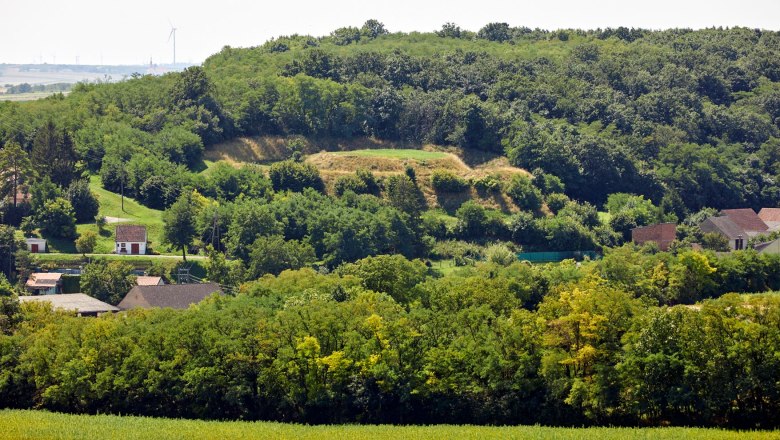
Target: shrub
x=556 y=202
x=488 y=183
x=86 y=242
x=446 y=181
x=523 y=193
x=500 y=254
x=293 y=176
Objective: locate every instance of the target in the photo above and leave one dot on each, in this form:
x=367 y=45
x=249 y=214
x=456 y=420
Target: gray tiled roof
x=175 y=296
x=723 y=225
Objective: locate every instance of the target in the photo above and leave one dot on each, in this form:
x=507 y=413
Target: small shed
x=36 y=245
x=81 y=304
x=130 y=240
x=45 y=283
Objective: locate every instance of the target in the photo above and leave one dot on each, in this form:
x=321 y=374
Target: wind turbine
x=173 y=34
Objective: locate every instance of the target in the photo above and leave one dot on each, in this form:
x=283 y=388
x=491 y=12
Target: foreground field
x=45 y=425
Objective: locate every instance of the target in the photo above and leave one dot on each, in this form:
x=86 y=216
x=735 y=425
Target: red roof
x=746 y=219
x=662 y=233
x=131 y=233
x=769 y=214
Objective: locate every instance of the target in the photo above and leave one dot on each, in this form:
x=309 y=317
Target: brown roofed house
x=175 y=296
x=130 y=239
x=45 y=283
x=747 y=219
x=663 y=234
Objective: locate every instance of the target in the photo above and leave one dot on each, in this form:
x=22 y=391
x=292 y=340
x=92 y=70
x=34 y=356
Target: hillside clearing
x=45 y=425
x=134 y=213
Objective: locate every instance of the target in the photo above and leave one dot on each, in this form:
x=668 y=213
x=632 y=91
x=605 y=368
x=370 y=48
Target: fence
x=553 y=257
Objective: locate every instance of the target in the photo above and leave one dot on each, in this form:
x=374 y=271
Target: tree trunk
x=184 y=253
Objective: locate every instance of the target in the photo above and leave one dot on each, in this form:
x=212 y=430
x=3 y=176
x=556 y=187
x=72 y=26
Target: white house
x=36 y=245
x=130 y=240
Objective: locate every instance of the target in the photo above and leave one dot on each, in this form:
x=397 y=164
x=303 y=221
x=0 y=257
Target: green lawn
x=45 y=425
x=134 y=212
x=393 y=154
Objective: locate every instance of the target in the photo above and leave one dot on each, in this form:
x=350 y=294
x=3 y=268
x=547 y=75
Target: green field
x=31 y=96
x=393 y=154
x=44 y=425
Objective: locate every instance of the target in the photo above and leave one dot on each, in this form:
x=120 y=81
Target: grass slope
x=135 y=213
x=394 y=154
x=45 y=425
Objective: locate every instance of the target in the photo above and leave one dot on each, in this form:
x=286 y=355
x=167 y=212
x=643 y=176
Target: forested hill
x=687 y=118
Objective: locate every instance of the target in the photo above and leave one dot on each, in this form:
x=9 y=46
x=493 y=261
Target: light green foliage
x=86 y=242
x=108 y=281
x=51 y=425
x=501 y=254
x=57 y=219
x=390 y=274
x=523 y=193
x=273 y=254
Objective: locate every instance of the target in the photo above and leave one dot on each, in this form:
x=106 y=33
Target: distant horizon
x=90 y=32
x=195 y=63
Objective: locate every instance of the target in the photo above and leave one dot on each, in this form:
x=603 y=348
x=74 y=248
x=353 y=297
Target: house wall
x=128 y=247
x=41 y=245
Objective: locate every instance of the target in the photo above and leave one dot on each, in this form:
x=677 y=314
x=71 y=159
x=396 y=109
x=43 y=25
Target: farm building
x=175 y=296
x=726 y=227
x=36 y=245
x=81 y=304
x=45 y=283
x=747 y=220
x=130 y=240
x=663 y=234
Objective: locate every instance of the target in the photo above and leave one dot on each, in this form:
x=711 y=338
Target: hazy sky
x=130 y=32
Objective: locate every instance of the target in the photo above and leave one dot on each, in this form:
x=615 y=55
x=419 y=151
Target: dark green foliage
x=53 y=155
x=403 y=193
x=179 y=223
x=495 y=32
x=293 y=176
x=85 y=204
